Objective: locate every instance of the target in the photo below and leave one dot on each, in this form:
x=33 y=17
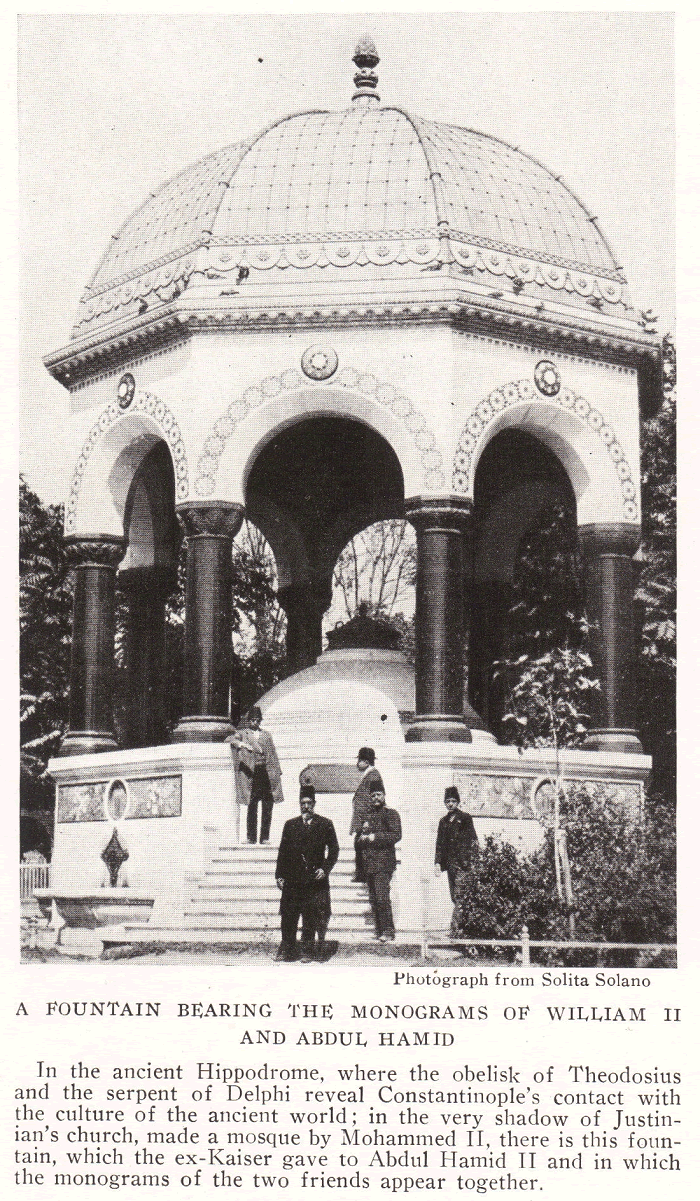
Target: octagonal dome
x=320 y=193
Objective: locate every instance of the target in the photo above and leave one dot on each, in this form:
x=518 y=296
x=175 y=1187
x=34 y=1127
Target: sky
x=110 y=106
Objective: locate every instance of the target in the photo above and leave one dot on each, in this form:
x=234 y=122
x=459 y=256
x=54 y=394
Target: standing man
x=455 y=847
x=381 y=830
x=307 y=854
x=258 y=774
x=361 y=803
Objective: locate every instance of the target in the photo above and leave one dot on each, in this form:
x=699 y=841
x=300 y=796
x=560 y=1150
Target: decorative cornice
x=519 y=391
x=165 y=280
x=111 y=349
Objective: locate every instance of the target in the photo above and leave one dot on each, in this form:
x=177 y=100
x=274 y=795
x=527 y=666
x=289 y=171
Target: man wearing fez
x=455 y=847
x=381 y=830
x=307 y=854
x=362 y=803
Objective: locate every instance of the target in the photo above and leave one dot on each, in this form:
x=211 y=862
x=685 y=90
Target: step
x=232 y=917
x=248 y=875
x=264 y=885
x=250 y=931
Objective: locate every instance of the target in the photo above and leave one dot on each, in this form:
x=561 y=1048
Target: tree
x=547 y=672
x=46 y=601
x=45 y=598
x=656 y=594
x=259 y=621
x=377 y=568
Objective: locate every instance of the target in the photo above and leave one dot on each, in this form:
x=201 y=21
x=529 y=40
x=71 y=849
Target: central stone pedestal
x=170 y=818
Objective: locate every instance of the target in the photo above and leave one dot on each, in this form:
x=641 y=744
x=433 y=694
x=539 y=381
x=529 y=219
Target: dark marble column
x=90 y=724
x=304 y=604
x=611 y=578
x=209 y=529
x=488 y=608
x=146 y=590
x=441 y=528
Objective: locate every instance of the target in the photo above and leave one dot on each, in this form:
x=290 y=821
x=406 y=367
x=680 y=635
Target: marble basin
x=88 y=909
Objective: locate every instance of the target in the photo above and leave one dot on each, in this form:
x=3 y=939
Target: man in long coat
x=362 y=803
x=381 y=830
x=257 y=773
x=455 y=847
x=308 y=852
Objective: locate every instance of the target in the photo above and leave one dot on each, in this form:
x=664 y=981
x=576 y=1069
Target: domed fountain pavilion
x=352 y=316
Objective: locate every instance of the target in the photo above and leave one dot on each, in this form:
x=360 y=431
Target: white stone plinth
x=165 y=852
x=170 y=854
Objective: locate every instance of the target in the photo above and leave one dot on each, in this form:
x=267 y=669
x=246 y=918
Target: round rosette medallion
x=319 y=362
x=125 y=390
x=547 y=378
x=116 y=800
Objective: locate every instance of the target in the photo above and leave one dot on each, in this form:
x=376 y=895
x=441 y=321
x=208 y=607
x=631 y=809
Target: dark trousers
x=458 y=879
x=312 y=908
x=359 y=866
x=378 y=885
x=260 y=791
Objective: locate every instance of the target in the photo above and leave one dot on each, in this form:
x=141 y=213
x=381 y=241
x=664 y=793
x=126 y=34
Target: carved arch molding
x=348 y=378
x=487 y=410
x=251 y=398
x=151 y=406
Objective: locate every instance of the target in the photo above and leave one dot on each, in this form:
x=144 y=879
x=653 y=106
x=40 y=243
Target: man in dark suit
x=381 y=830
x=455 y=847
x=362 y=803
x=307 y=854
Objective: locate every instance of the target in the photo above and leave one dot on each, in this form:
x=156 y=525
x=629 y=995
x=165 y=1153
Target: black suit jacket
x=456 y=840
x=362 y=800
x=379 y=856
x=304 y=849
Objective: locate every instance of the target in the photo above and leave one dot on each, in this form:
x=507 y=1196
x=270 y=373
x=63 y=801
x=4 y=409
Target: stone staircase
x=237 y=895
x=236 y=900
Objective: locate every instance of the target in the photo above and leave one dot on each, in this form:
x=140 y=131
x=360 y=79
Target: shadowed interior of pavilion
x=311 y=488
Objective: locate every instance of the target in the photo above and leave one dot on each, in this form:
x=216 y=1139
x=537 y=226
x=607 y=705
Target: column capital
x=105 y=550
x=609 y=538
x=218 y=519
x=444 y=513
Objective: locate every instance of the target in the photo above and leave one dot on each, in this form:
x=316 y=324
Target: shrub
x=622 y=871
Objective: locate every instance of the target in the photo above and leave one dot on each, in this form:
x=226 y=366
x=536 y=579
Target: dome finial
x=365 y=59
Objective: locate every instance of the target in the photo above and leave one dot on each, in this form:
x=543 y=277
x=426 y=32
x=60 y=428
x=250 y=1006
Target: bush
x=622 y=871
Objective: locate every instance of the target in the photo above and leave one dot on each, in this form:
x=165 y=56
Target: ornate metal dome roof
x=368 y=185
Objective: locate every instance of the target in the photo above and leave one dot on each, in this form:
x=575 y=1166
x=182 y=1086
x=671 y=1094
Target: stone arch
x=150 y=525
x=584 y=442
x=112 y=453
x=291 y=397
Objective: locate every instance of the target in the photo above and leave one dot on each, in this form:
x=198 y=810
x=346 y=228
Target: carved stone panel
x=154 y=796
x=495 y=796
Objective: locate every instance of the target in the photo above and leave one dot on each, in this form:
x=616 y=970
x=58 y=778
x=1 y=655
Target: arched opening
x=518 y=479
x=259 y=622
x=311 y=488
x=147 y=577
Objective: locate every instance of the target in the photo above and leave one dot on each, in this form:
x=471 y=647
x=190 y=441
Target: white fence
x=31 y=876
x=524 y=943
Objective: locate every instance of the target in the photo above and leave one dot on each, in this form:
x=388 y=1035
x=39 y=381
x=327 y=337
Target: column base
x=86 y=742
x=625 y=741
x=438 y=729
x=202 y=729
